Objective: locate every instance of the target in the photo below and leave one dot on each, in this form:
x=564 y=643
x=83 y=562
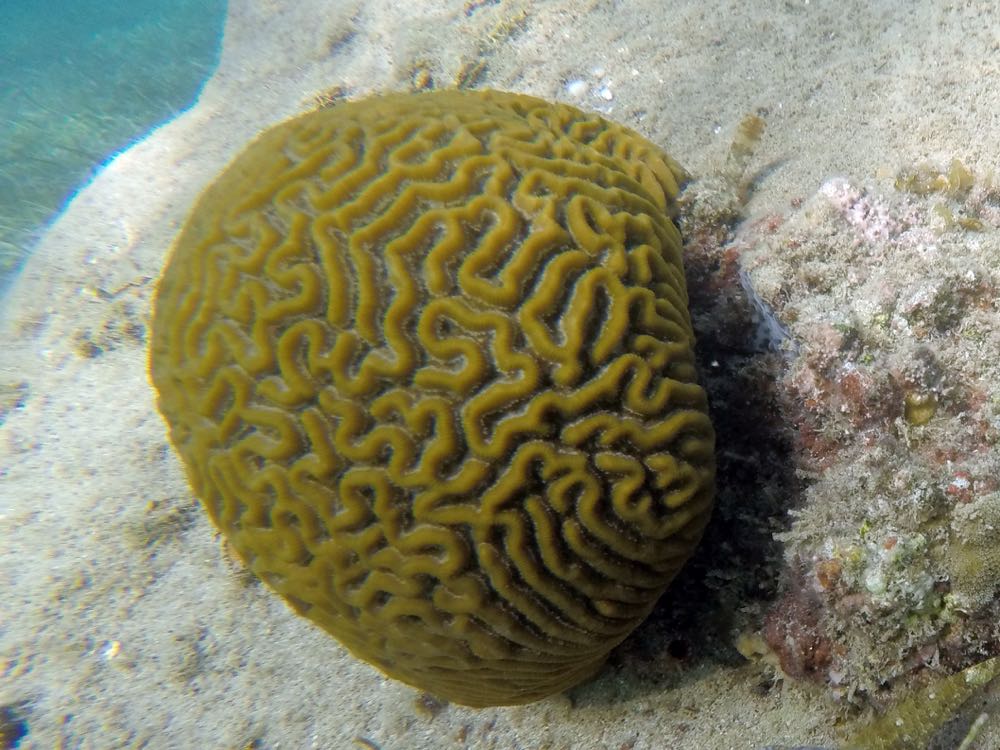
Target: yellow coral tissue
x=428 y=362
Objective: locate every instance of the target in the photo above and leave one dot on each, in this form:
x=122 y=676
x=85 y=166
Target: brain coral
x=428 y=362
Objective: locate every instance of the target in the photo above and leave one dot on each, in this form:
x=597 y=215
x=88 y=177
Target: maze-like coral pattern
x=428 y=362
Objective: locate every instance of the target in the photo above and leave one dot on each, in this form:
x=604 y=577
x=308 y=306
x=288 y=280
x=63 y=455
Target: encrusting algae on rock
x=429 y=365
x=885 y=383
x=892 y=392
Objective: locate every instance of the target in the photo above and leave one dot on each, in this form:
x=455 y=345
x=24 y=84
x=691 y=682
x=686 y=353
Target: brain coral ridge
x=428 y=362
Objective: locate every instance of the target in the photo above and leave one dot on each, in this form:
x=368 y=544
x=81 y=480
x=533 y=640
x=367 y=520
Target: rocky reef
x=860 y=325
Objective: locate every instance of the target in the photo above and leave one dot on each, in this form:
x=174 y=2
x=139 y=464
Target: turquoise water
x=79 y=81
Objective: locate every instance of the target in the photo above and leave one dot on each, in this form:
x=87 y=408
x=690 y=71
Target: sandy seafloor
x=122 y=623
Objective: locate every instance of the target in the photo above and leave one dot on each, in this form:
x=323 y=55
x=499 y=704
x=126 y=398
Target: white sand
x=123 y=625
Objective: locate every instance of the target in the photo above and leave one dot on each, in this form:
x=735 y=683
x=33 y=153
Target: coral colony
x=429 y=363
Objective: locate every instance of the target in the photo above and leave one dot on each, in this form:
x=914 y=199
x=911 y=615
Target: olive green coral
x=428 y=362
x=973 y=555
x=914 y=722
